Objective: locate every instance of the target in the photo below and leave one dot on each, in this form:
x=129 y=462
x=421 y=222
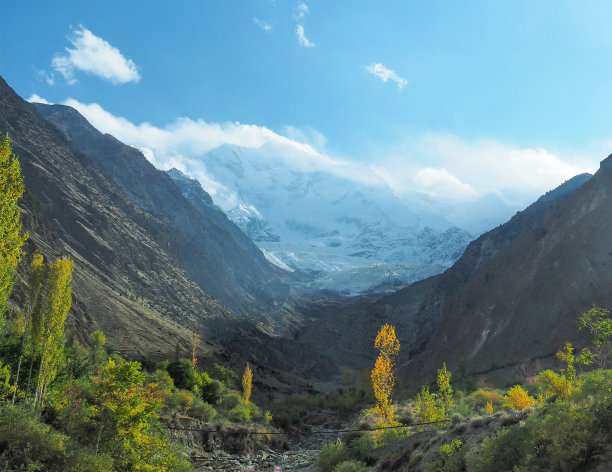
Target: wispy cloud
x=386 y=74
x=93 y=55
x=267 y=27
x=301 y=36
x=300 y=11
x=49 y=78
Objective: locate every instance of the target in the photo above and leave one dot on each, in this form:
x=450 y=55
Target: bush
x=182 y=374
x=179 y=401
x=202 y=410
x=518 y=399
x=358 y=447
x=24 y=441
x=212 y=391
x=227 y=376
x=231 y=401
x=551 y=385
x=450 y=459
x=482 y=397
x=351 y=466
x=240 y=413
x=332 y=454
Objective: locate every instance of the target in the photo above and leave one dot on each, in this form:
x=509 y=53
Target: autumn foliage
x=518 y=399
x=247 y=383
x=383 y=379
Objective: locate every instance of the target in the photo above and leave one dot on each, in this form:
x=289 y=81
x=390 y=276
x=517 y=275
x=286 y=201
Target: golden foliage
x=482 y=397
x=195 y=342
x=383 y=379
x=518 y=399
x=387 y=342
x=247 y=383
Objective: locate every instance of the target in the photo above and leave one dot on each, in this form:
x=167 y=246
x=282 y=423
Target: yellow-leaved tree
x=383 y=377
x=11 y=239
x=247 y=383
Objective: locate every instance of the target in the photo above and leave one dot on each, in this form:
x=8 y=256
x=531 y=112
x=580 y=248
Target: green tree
x=56 y=306
x=426 y=409
x=37 y=271
x=445 y=391
x=11 y=239
x=597 y=320
x=566 y=355
x=124 y=411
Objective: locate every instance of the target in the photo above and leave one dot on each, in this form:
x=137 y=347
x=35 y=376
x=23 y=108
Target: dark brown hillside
x=126 y=279
x=211 y=249
x=129 y=280
x=346 y=329
x=522 y=303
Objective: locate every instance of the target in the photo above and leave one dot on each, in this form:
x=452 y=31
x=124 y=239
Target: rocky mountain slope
x=213 y=252
x=131 y=279
x=484 y=294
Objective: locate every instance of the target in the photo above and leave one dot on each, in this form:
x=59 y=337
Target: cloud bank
x=443 y=166
x=93 y=55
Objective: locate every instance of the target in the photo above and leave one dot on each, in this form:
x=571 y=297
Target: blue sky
x=456 y=99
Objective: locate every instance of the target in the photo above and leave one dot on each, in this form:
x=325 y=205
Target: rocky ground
x=300 y=455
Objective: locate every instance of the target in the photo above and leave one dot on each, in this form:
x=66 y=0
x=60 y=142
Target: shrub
x=358 y=447
x=331 y=455
x=231 y=401
x=180 y=401
x=201 y=409
x=482 y=397
x=456 y=418
x=351 y=466
x=551 y=385
x=182 y=374
x=477 y=422
x=24 y=441
x=240 y=413
x=518 y=399
x=450 y=459
x=227 y=376
x=212 y=391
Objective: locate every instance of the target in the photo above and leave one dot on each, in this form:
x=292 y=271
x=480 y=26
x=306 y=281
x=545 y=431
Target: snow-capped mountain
x=350 y=232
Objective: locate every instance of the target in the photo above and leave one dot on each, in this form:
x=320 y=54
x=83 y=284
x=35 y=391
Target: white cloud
x=439 y=183
x=267 y=27
x=446 y=167
x=93 y=55
x=300 y=11
x=301 y=36
x=35 y=98
x=386 y=74
x=184 y=141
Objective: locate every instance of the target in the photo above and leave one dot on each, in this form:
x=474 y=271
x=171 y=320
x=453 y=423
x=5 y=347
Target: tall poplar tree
x=57 y=303
x=37 y=271
x=383 y=377
x=11 y=238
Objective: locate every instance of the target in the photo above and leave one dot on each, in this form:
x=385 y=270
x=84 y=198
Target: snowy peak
x=337 y=223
